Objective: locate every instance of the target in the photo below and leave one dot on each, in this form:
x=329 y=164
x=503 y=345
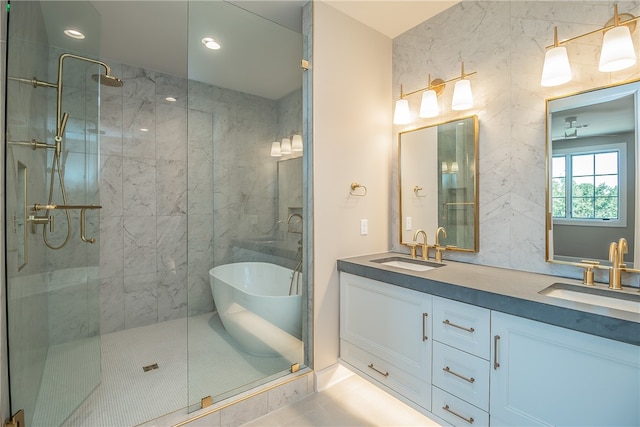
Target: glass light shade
x=285 y=147
x=445 y=168
x=462 y=96
x=556 y=69
x=429 y=104
x=617 y=50
x=296 y=143
x=454 y=166
x=275 y=149
x=402 y=116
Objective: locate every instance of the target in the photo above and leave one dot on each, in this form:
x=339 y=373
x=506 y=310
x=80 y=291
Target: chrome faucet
x=616 y=256
x=439 y=248
x=424 y=246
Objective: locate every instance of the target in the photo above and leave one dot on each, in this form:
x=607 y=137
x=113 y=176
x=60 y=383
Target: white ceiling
x=257 y=56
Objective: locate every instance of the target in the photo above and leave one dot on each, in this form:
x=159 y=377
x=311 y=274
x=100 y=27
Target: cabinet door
x=387 y=321
x=546 y=375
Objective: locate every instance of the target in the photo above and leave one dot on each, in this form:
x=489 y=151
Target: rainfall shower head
x=107 y=80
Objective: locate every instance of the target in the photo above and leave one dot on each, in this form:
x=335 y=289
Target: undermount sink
x=407 y=263
x=601 y=297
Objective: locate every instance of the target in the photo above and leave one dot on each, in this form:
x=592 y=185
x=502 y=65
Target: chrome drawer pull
x=469 y=420
x=384 y=374
x=446 y=322
x=449 y=371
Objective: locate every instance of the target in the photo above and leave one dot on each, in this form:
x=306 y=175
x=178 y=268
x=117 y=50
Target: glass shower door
x=52 y=266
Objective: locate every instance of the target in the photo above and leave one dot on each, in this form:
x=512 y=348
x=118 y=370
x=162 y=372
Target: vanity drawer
x=457 y=411
x=462 y=326
x=461 y=374
x=405 y=383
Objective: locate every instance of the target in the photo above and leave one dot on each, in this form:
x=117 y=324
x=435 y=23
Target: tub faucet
x=294 y=215
x=424 y=246
x=439 y=248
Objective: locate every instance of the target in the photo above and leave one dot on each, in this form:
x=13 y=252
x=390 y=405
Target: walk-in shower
x=122 y=193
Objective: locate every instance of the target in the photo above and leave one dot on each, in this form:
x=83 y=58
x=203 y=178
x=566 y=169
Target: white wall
x=352 y=142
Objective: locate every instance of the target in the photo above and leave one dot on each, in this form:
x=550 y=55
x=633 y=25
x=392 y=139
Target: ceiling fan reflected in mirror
x=571 y=130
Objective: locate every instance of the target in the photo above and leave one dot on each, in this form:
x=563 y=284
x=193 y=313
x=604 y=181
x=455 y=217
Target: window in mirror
x=592 y=182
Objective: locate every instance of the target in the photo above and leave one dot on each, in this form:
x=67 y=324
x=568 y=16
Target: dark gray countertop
x=508 y=291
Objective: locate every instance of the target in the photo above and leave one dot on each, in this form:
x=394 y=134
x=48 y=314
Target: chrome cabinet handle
x=496 y=364
x=424 y=326
x=384 y=374
x=449 y=371
x=469 y=420
x=448 y=323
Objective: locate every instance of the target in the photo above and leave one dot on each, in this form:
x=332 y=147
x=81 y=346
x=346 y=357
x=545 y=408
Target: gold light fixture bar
x=437 y=84
x=612 y=23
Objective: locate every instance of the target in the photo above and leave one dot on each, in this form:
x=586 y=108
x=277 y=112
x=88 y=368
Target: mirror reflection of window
x=592 y=182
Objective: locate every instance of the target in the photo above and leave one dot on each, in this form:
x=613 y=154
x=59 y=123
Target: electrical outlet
x=408 y=224
x=364 y=227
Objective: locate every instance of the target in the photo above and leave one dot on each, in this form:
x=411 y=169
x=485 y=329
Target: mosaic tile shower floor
x=127 y=395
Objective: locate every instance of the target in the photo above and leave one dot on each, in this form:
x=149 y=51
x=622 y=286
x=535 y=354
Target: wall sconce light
x=296 y=142
x=285 y=146
x=617 y=51
x=289 y=145
x=275 y=149
x=462 y=98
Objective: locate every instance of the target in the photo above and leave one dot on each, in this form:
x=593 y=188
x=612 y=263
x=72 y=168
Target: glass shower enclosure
x=129 y=192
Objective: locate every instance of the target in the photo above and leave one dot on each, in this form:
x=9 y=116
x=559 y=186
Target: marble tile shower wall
x=504 y=42
x=217 y=136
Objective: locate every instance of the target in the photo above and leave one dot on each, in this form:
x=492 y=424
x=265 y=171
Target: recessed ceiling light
x=211 y=43
x=144 y=130
x=170 y=99
x=74 y=34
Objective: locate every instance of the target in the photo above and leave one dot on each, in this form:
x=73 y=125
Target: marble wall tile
x=111 y=195
x=111 y=246
x=171 y=185
x=139 y=83
x=287 y=393
x=171 y=86
x=111 y=304
x=200 y=96
x=140 y=251
x=171 y=132
x=172 y=294
x=140 y=300
x=68 y=316
x=244 y=411
x=111 y=125
x=138 y=187
x=172 y=242
x=138 y=115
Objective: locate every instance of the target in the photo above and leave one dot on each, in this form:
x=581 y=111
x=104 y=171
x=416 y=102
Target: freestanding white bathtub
x=253 y=301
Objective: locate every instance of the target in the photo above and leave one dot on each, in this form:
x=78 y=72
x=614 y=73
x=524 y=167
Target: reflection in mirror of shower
x=105 y=79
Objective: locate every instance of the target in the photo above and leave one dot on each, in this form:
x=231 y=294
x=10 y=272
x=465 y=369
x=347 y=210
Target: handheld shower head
x=107 y=80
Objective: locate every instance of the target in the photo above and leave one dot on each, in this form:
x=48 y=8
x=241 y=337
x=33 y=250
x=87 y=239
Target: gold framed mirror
x=438 y=170
x=592 y=181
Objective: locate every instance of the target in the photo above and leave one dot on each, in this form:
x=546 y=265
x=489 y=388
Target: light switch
x=408 y=224
x=364 y=227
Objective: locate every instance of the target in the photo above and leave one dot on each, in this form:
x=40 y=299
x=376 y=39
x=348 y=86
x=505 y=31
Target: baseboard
x=331 y=375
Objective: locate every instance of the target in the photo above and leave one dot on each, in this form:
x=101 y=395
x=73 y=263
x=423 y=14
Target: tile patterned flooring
x=351 y=402
x=194 y=361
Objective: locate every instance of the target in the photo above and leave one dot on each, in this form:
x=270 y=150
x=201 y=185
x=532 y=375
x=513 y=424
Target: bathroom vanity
x=476 y=345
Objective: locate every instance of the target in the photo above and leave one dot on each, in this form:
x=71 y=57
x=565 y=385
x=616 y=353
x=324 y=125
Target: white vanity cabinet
x=385 y=333
x=461 y=352
x=547 y=375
